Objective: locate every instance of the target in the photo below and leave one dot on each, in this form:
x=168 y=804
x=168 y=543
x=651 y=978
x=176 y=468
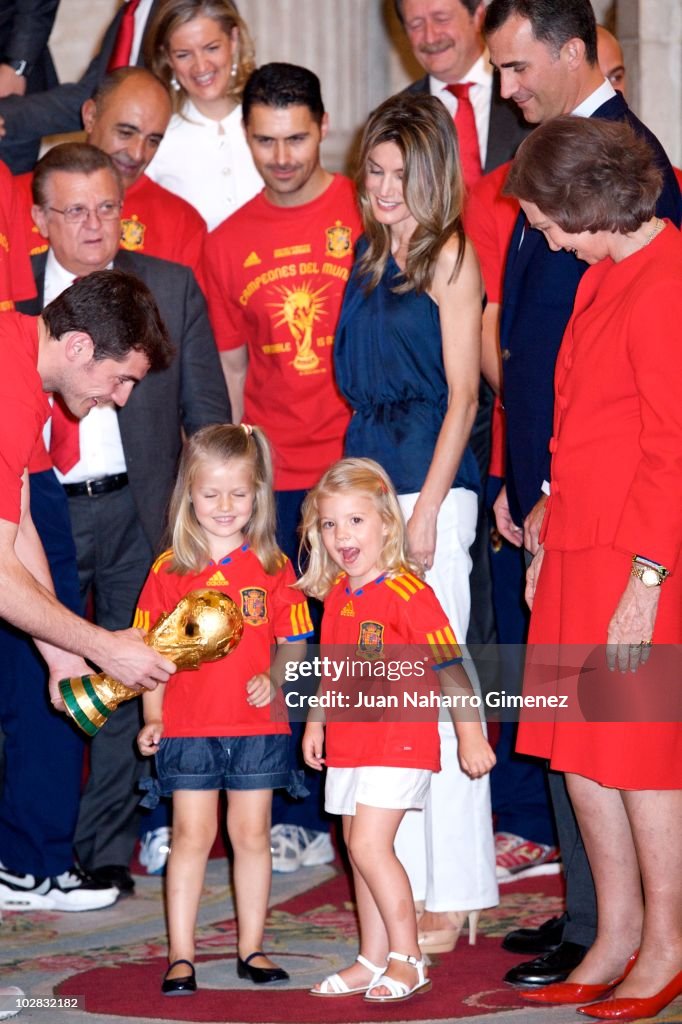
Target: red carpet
x=466 y=982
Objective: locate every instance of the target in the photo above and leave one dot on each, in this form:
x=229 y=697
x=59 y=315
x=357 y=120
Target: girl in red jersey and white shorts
x=378 y=769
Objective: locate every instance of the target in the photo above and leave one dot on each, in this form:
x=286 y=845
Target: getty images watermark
x=574 y=682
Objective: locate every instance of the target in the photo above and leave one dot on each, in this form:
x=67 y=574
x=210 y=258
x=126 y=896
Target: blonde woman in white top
x=203 y=52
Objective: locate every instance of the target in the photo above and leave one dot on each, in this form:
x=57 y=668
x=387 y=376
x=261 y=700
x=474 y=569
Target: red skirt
x=575 y=600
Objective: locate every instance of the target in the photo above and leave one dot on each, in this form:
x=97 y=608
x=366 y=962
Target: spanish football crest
x=370 y=641
x=254 y=605
x=338 y=240
x=132 y=234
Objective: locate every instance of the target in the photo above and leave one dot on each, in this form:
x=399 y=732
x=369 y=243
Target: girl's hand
x=476 y=757
x=259 y=690
x=421 y=535
x=148 y=738
x=313 y=745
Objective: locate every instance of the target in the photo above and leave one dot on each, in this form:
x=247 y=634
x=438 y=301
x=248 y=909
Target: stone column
x=651 y=34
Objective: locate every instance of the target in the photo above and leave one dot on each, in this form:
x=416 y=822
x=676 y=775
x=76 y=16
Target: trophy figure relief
x=300 y=309
x=205 y=625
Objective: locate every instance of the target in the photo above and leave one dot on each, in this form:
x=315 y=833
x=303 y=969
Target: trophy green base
x=83 y=704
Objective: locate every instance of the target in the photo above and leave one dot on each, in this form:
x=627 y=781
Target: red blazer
x=617 y=444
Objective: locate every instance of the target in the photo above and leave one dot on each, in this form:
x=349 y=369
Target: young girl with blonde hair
x=225 y=725
x=375 y=596
x=407 y=357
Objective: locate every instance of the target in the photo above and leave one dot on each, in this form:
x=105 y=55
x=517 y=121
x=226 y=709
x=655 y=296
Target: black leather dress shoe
x=547 y=969
x=259 y=975
x=115 y=874
x=544 y=939
x=183 y=986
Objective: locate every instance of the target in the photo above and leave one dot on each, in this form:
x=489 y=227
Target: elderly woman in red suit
x=609 y=570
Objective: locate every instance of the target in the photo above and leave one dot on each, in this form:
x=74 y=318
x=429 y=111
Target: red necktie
x=64 y=438
x=120 y=55
x=467 y=136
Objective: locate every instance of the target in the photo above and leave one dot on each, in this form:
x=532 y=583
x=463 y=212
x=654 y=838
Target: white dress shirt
x=101 y=449
x=207 y=162
x=140 y=21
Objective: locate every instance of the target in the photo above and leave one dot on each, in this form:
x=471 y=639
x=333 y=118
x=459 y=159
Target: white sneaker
x=75 y=890
x=72 y=890
x=154 y=850
x=8 y=995
x=316 y=848
x=285 y=846
x=24 y=892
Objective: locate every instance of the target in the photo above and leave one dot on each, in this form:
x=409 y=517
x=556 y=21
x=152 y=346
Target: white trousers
x=448 y=849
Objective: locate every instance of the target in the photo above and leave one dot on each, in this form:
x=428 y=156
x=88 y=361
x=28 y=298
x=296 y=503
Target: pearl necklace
x=656 y=229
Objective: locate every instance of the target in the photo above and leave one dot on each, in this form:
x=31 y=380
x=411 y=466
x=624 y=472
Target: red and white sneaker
x=516 y=857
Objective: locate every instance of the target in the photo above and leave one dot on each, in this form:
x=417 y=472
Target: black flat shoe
x=548 y=969
x=259 y=975
x=184 y=986
x=544 y=939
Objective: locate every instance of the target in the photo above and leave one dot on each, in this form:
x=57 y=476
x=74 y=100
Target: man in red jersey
x=127 y=118
x=16 y=279
x=81 y=349
x=275 y=273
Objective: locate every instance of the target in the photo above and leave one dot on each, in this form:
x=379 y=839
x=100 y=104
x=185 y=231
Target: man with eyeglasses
x=117 y=473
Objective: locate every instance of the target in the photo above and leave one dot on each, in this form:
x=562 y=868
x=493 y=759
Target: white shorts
x=375 y=786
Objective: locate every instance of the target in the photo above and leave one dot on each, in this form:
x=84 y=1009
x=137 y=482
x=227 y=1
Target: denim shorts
x=223 y=762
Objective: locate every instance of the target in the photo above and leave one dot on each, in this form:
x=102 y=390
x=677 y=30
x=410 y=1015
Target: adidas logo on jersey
x=348 y=610
x=252 y=260
x=217 y=580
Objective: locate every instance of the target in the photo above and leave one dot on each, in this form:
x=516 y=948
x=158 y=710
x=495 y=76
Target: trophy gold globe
x=205 y=625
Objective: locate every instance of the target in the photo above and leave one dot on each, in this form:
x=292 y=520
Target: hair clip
x=382 y=487
x=247 y=428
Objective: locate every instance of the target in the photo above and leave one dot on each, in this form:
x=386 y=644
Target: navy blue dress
x=389 y=367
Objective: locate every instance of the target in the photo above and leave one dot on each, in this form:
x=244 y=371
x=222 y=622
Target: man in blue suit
x=546 y=53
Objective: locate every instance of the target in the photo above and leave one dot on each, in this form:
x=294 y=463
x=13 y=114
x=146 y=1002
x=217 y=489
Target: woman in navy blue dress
x=407 y=357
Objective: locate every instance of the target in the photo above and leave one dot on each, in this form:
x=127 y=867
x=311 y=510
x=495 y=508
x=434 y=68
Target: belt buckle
x=88 y=487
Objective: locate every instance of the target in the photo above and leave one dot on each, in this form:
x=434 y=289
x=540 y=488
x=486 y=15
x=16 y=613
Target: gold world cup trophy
x=204 y=626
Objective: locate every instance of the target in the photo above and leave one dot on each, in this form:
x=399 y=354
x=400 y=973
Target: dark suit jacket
x=507 y=128
x=189 y=394
x=25 y=27
x=539 y=289
x=59 y=109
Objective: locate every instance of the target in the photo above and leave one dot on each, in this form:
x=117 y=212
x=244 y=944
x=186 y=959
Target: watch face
x=650 y=578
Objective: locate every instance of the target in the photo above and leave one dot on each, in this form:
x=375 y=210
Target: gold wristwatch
x=650 y=573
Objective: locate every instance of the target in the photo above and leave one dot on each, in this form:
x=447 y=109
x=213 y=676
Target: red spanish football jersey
x=16 y=278
x=211 y=701
x=23 y=407
x=275 y=278
x=390 y=614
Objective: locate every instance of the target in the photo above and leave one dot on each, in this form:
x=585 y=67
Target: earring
x=234 y=69
x=174 y=84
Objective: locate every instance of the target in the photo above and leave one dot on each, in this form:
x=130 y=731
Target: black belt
x=104 y=485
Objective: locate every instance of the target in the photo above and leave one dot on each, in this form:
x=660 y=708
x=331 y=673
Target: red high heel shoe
x=567 y=992
x=633 y=1008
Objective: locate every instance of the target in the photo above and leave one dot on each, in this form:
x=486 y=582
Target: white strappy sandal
x=334 y=985
x=398 y=989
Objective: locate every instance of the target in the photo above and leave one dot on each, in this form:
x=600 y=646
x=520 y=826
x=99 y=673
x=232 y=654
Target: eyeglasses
x=110 y=209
